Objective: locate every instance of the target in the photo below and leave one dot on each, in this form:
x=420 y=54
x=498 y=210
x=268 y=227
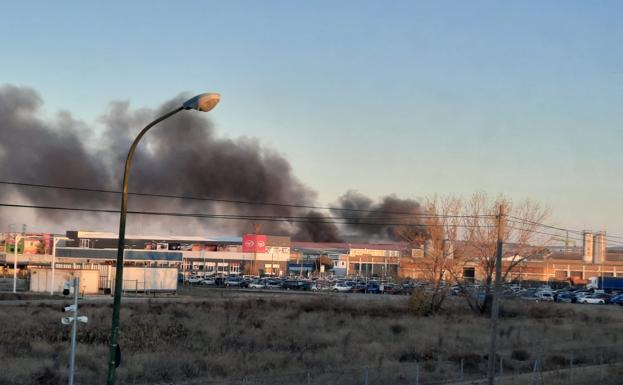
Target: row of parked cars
x=568 y=295
x=302 y=284
x=253 y=282
x=368 y=287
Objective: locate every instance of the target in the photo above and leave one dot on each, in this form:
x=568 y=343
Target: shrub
x=420 y=303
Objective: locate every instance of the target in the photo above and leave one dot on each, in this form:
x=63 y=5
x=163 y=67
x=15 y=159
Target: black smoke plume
x=181 y=156
x=378 y=221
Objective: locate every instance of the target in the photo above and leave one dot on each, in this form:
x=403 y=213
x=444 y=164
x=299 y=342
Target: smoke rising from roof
x=181 y=156
x=380 y=221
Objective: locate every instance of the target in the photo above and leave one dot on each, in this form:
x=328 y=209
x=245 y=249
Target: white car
x=194 y=280
x=592 y=299
x=208 y=281
x=545 y=296
x=256 y=285
x=341 y=287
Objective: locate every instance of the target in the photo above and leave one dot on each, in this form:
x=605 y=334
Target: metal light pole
x=55 y=241
x=75 y=283
x=74 y=327
x=203 y=102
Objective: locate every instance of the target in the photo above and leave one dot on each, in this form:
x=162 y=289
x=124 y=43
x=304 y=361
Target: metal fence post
x=366 y=376
x=501 y=366
x=308 y=378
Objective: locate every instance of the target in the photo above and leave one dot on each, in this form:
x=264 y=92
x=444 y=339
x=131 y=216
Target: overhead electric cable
x=220 y=200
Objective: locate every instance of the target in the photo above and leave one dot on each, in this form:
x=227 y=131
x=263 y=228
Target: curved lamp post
x=202 y=102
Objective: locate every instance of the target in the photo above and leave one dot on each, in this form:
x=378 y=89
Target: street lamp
x=202 y=102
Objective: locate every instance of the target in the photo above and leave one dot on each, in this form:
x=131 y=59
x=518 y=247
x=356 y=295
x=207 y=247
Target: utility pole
x=495 y=306
x=74 y=327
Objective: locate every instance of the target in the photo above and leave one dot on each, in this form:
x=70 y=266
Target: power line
x=616 y=243
x=234 y=201
x=220 y=200
x=275 y=204
x=578 y=232
x=343 y=220
x=545 y=225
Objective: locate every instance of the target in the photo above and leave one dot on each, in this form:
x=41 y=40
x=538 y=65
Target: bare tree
x=441 y=221
x=480 y=236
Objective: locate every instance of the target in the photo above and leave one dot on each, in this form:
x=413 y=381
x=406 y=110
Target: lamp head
x=202 y=102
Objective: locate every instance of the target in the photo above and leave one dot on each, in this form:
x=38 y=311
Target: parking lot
x=359 y=285
x=353 y=285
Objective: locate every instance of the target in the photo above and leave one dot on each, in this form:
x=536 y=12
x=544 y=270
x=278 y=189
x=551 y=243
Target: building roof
x=187 y=238
x=342 y=246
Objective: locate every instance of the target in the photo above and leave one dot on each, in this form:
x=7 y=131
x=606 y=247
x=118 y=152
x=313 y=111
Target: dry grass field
x=244 y=338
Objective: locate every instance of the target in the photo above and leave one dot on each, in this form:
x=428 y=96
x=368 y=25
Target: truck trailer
x=605 y=283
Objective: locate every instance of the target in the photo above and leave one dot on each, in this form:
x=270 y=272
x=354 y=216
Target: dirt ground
x=232 y=337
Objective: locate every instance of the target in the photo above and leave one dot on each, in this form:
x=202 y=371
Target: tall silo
x=599 y=247
x=587 y=245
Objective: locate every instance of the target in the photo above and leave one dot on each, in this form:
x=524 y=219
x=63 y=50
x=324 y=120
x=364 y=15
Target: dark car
x=359 y=287
x=308 y=286
x=373 y=288
x=291 y=285
x=617 y=300
x=564 y=297
x=389 y=288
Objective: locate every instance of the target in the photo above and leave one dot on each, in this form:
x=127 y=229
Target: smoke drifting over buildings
x=181 y=156
x=377 y=221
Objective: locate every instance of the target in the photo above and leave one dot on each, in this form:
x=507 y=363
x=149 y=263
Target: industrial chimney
x=599 y=248
x=587 y=246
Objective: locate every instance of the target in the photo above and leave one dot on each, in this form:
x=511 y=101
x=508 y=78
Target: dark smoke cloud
x=318 y=229
x=377 y=221
x=45 y=152
x=181 y=156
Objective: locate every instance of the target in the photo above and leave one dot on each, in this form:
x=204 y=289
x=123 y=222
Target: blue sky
x=412 y=98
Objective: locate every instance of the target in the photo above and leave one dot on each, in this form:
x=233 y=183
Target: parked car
x=291 y=284
x=529 y=296
x=617 y=299
x=544 y=296
x=564 y=297
x=272 y=284
x=359 y=287
x=309 y=286
x=342 y=287
x=194 y=280
x=256 y=284
x=592 y=298
x=208 y=281
x=389 y=288
x=373 y=288
x=234 y=281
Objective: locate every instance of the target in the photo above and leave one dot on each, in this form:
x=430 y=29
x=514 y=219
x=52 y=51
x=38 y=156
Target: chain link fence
x=595 y=365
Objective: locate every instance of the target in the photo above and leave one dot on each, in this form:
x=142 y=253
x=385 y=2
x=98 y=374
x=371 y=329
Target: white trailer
x=144 y=279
